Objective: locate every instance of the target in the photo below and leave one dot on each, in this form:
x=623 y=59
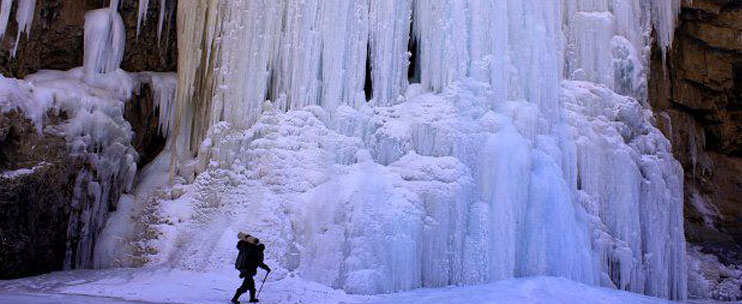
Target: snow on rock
x=96 y=133
x=23 y=171
x=710 y=279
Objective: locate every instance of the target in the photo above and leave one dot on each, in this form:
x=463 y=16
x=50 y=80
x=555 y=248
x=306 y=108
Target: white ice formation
x=514 y=141
x=105 y=40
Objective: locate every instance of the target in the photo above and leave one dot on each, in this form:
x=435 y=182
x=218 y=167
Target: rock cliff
x=697 y=96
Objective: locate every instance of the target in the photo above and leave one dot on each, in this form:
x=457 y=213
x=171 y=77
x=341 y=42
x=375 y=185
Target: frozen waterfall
x=502 y=138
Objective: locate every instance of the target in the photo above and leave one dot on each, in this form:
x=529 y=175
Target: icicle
x=442 y=32
x=389 y=32
x=196 y=24
x=161 y=19
x=24 y=18
x=104 y=42
x=4 y=16
x=664 y=18
x=344 y=46
x=163 y=87
x=142 y=14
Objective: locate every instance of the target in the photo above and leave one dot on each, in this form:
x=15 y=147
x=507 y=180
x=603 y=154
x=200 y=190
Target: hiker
x=248 y=261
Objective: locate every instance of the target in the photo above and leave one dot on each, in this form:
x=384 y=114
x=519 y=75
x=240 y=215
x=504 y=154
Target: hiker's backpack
x=240 y=262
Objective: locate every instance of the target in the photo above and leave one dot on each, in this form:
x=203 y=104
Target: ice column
x=344 y=52
x=389 y=26
x=458 y=39
x=105 y=39
x=536 y=53
x=441 y=28
x=592 y=33
x=196 y=23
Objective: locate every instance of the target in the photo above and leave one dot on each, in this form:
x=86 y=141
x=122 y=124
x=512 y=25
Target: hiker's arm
x=265 y=267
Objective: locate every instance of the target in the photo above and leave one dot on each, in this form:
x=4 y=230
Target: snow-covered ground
x=163 y=285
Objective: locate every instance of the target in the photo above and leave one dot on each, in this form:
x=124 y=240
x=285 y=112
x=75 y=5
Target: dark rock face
x=35 y=207
x=698 y=97
x=56 y=38
x=143 y=116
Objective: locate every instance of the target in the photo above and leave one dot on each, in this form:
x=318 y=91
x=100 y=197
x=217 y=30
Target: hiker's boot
x=252 y=297
x=235 y=299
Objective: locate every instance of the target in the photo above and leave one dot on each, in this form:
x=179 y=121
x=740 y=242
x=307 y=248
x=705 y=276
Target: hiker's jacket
x=250 y=258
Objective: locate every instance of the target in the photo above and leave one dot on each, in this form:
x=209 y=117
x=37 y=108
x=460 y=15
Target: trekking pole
x=261 y=284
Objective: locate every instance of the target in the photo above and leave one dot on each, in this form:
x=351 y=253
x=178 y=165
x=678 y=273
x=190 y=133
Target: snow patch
x=710 y=279
x=10 y=174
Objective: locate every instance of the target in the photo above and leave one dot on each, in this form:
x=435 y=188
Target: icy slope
x=175 y=286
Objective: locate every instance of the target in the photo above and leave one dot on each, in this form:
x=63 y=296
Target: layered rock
x=697 y=95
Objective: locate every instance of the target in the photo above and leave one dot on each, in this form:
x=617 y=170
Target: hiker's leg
x=246 y=283
x=251 y=288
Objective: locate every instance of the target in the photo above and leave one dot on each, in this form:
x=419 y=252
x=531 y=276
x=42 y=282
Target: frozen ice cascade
x=502 y=138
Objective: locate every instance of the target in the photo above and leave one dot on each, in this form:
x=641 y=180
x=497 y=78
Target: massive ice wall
x=522 y=150
x=293 y=53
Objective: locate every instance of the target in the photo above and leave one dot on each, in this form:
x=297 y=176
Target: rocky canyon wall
x=697 y=96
